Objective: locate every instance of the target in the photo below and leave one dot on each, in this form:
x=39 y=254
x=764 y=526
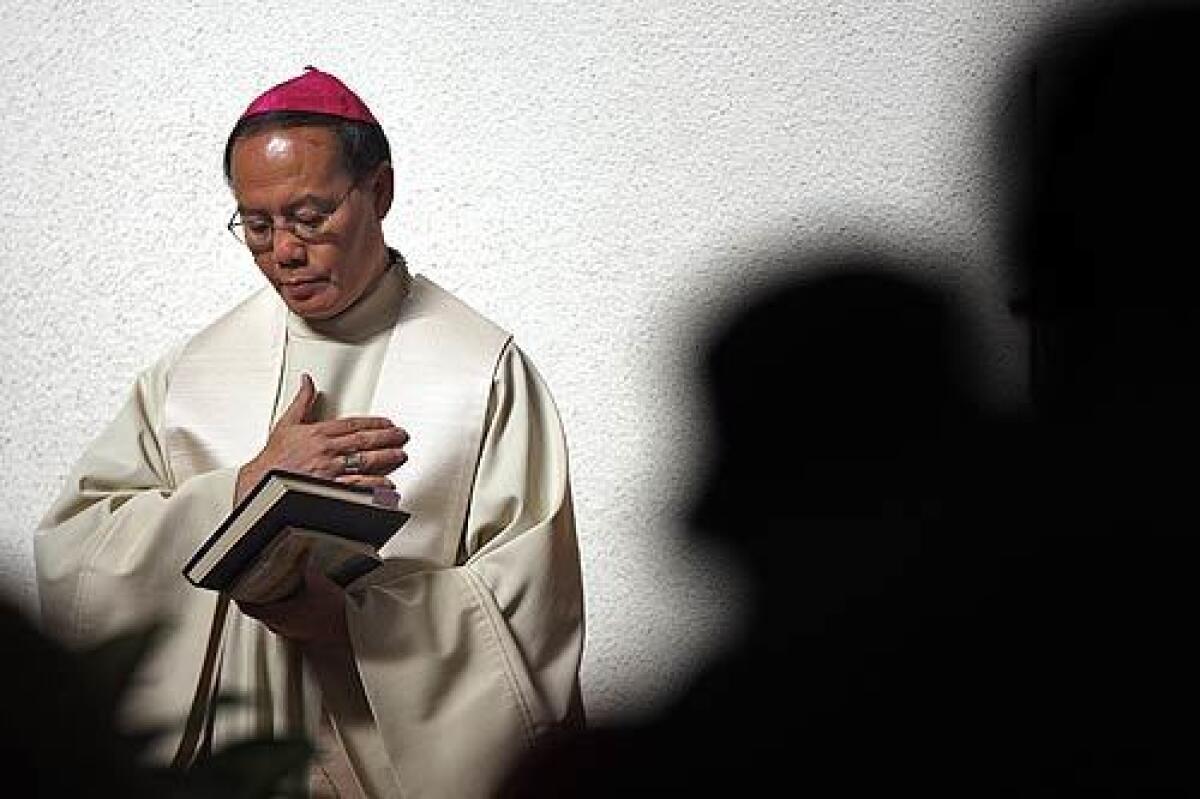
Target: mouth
x=303 y=289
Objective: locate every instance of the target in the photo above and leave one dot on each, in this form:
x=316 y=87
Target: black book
x=260 y=551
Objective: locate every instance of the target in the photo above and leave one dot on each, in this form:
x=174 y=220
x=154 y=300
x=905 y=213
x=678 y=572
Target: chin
x=322 y=305
x=316 y=313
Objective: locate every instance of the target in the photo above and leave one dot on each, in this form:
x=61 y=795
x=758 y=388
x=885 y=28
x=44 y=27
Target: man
x=428 y=676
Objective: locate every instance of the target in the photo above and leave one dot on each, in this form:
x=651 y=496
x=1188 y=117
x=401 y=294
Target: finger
x=317 y=582
x=302 y=403
x=266 y=612
x=278 y=612
x=367 y=440
x=353 y=424
x=275 y=616
x=376 y=461
x=366 y=480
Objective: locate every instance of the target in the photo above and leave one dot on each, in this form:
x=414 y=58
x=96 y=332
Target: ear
x=383 y=189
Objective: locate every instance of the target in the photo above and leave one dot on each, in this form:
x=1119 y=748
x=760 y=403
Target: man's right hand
x=373 y=445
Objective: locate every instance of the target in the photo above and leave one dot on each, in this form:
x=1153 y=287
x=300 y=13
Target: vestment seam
x=526 y=712
x=368 y=698
x=469 y=486
x=160 y=427
x=85 y=577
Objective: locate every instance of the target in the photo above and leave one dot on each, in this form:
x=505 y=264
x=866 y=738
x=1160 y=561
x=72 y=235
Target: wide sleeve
x=110 y=550
x=465 y=667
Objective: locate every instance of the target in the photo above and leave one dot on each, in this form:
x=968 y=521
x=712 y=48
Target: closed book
x=260 y=551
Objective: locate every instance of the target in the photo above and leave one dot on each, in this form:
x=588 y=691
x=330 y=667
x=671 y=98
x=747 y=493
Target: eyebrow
x=308 y=200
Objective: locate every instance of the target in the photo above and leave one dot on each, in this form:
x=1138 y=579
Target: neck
x=382 y=262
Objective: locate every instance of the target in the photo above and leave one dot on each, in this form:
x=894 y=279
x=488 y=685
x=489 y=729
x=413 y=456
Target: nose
x=287 y=249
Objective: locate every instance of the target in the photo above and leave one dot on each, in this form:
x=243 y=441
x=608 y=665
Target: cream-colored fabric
x=343 y=356
x=465 y=646
x=332 y=773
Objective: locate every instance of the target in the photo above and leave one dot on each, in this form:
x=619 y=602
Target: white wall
x=595 y=177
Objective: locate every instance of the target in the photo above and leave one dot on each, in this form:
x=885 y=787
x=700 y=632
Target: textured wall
x=596 y=177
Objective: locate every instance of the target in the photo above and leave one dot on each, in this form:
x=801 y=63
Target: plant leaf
x=254 y=769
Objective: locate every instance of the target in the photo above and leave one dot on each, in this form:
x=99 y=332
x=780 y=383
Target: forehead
x=294 y=158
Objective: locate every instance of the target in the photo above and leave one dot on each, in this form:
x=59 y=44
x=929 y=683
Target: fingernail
x=386 y=497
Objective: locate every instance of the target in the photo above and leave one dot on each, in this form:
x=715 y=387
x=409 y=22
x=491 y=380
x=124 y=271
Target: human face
x=297 y=172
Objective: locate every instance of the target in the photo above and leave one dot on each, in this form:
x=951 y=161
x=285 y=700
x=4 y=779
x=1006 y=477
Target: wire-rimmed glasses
x=257 y=231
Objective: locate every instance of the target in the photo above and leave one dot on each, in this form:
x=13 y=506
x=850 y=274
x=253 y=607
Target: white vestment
x=465 y=644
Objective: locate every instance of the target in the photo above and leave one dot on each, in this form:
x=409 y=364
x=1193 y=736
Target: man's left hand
x=314 y=616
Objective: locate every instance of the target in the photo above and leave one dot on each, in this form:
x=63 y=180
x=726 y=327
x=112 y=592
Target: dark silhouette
x=947 y=601
x=856 y=481
x=58 y=729
x=1109 y=285
x=62 y=735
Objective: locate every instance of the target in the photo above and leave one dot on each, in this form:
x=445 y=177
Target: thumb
x=302 y=404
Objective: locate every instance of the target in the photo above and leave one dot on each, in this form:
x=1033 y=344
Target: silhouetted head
x=836 y=399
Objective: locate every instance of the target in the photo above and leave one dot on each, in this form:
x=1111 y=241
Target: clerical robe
x=465 y=645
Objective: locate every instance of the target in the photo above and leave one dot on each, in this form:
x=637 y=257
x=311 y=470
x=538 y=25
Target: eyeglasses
x=309 y=225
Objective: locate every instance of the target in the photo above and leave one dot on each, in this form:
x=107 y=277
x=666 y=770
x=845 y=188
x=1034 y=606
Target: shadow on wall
x=948 y=601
